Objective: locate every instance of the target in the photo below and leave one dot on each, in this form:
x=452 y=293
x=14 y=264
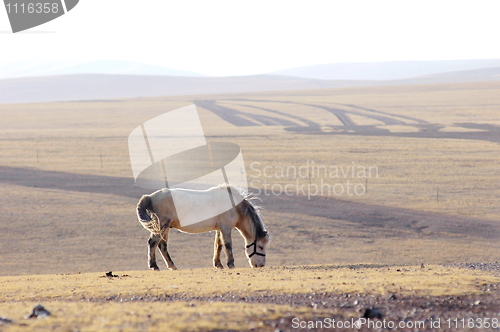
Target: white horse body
x=197 y=204
x=158 y=213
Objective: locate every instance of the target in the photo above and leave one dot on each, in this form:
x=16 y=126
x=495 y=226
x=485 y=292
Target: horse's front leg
x=164 y=251
x=228 y=245
x=217 y=250
x=153 y=241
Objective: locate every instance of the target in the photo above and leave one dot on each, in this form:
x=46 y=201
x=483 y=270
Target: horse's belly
x=199 y=227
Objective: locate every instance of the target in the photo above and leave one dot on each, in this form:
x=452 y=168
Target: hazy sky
x=250 y=37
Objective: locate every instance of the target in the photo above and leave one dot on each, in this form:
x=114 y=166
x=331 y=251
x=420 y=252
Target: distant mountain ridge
x=55 y=68
x=100 y=86
x=488 y=74
x=394 y=70
x=83 y=87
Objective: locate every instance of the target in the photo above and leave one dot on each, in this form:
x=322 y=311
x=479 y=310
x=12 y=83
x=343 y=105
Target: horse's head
x=256 y=251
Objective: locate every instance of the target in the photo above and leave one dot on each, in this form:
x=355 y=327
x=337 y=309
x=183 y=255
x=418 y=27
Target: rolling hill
x=100 y=86
x=394 y=70
x=84 y=87
x=52 y=68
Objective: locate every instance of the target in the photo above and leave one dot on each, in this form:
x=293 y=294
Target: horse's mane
x=252 y=210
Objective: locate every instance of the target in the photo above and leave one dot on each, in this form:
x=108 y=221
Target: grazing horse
x=157 y=214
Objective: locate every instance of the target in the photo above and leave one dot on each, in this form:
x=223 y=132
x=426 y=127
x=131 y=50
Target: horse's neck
x=247 y=230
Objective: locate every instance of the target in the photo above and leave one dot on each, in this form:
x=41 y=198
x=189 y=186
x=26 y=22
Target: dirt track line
x=225 y=113
x=304 y=120
x=386 y=113
x=340 y=114
x=238 y=118
x=491 y=133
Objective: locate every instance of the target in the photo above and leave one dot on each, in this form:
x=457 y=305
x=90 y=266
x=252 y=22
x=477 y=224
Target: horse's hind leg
x=153 y=241
x=164 y=251
x=217 y=250
x=228 y=244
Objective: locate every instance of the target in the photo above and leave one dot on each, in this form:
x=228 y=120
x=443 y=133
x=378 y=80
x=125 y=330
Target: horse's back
x=208 y=207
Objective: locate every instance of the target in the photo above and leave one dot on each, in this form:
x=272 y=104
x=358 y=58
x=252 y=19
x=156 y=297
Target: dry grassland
x=206 y=299
x=68 y=206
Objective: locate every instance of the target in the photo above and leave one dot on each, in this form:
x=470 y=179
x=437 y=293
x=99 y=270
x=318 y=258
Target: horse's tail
x=147 y=217
x=252 y=211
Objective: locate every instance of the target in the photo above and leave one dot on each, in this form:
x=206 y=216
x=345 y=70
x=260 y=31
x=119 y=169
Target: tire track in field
x=239 y=118
x=386 y=113
x=488 y=132
x=296 y=117
x=341 y=114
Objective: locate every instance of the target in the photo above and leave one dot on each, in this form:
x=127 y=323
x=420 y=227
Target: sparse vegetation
x=239 y=299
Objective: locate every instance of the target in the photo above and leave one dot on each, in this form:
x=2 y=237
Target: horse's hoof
x=218 y=265
x=155 y=268
x=231 y=266
x=173 y=268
